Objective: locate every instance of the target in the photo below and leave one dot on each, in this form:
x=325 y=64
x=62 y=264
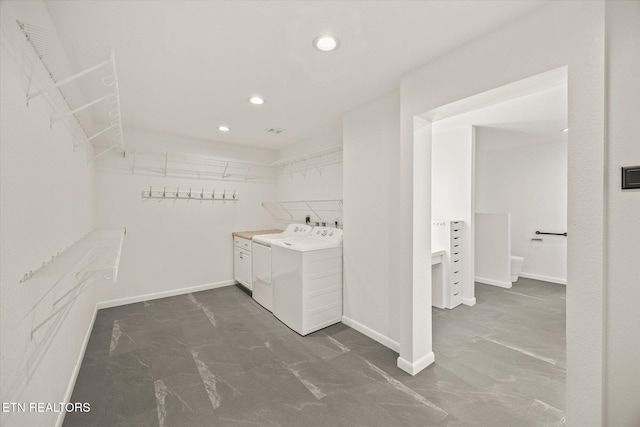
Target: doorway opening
x=498 y=186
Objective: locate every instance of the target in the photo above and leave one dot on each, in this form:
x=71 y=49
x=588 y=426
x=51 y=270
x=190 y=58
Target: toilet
x=516 y=267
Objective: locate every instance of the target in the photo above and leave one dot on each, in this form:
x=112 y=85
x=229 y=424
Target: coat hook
x=202 y=194
x=164 y=192
x=177 y=192
x=224 y=193
x=150 y=190
x=213 y=194
x=189 y=194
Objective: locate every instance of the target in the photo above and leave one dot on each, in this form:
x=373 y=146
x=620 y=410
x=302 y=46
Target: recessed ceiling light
x=223 y=128
x=326 y=43
x=256 y=100
x=565 y=130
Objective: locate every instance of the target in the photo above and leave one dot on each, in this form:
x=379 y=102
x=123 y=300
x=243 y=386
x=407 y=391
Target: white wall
x=493 y=249
x=47 y=203
x=559 y=34
x=452 y=176
x=171 y=245
x=530 y=183
x=371 y=165
x=622 y=327
x=480 y=181
x=325 y=184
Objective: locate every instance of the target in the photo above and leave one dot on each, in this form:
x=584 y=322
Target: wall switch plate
x=630 y=177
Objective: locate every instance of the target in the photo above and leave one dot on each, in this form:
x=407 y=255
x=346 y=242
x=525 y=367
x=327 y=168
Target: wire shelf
x=317 y=160
x=65 y=88
x=185 y=165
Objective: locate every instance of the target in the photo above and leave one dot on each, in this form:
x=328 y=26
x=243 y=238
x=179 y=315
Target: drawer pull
x=456 y=283
x=457 y=260
x=456 y=294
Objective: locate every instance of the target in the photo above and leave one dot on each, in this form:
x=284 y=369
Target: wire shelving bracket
x=317 y=160
x=319 y=211
x=96 y=252
x=52 y=54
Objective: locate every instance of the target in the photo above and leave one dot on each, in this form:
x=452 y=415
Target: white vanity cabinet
x=242 y=261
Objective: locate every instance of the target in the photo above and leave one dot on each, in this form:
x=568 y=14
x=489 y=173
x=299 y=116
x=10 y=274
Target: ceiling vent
x=274 y=130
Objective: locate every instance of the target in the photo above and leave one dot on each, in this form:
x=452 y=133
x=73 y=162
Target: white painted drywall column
x=556 y=35
x=371 y=194
x=622 y=327
x=415 y=236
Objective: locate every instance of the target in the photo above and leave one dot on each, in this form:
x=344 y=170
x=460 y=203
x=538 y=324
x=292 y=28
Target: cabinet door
x=242 y=267
x=237 y=264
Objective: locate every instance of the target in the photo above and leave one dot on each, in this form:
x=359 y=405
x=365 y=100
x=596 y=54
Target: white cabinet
x=449 y=236
x=242 y=261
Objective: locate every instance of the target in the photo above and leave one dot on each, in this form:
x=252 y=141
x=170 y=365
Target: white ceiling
x=185 y=67
x=537 y=118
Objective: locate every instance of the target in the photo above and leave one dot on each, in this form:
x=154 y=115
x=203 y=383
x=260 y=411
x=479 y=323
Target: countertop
x=249 y=234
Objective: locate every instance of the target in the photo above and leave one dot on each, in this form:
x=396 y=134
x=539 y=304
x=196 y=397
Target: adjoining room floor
x=216 y=358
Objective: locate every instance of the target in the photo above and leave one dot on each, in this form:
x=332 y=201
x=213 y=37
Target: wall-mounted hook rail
x=189 y=194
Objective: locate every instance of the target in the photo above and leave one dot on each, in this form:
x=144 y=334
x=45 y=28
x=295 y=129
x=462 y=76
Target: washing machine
x=307 y=280
x=261 y=261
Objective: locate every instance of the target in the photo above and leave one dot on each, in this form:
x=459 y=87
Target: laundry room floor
x=216 y=358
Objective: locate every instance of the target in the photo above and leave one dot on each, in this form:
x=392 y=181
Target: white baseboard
x=374 y=335
x=164 y=294
x=493 y=282
x=76 y=369
x=418 y=365
x=469 y=301
x=557 y=280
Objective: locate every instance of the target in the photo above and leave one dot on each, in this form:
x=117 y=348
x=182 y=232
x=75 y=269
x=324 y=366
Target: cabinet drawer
x=456 y=264
x=456 y=276
x=456 y=287
x=456 y=299
x=241 y=242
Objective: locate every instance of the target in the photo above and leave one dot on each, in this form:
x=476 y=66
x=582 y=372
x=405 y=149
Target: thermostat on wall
x=630 y=177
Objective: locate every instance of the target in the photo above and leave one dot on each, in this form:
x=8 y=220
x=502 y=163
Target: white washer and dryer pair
x=261 y=261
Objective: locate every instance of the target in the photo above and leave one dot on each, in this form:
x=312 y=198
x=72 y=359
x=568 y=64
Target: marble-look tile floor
x=216 y=358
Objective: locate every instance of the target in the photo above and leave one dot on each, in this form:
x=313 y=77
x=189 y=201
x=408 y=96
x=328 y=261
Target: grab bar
x=552 y=234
